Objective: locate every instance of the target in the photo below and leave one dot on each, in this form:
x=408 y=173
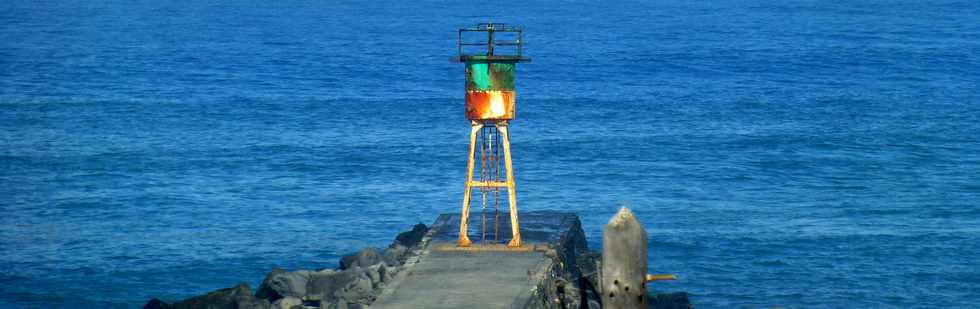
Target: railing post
x=624 y=262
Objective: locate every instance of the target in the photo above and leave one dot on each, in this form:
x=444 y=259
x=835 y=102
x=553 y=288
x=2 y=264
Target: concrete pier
x=487 y=274
x=423 y=268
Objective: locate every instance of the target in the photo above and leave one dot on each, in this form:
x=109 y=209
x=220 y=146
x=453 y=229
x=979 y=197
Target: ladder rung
x=488 y=183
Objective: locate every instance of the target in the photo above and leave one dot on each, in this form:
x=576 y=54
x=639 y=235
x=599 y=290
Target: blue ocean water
x=788 y=153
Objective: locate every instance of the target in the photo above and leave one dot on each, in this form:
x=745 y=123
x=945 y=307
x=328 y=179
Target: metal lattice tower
x=490 y=105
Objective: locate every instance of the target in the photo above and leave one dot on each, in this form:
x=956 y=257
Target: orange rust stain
x=490 y=105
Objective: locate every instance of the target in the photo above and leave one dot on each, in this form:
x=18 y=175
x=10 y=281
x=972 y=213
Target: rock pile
x=355 y=284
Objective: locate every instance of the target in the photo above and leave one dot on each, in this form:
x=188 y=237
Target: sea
x=804 y=154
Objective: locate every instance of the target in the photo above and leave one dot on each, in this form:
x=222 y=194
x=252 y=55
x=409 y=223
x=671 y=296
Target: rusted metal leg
x=464 y=240
x=515 y=227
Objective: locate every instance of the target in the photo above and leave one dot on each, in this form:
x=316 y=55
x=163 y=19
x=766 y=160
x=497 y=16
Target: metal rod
x=496 y=191
x=464 y=240
x=515 y=228
x=520 y=43
x=490 y=42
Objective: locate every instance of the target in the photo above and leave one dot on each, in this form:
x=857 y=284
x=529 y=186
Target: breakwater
x=422 y=268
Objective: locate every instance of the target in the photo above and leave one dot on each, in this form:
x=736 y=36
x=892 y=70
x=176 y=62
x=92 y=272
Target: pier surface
x=487 y=274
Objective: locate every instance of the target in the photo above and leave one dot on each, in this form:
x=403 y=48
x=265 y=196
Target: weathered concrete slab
x=463 y=279
x=488 y=274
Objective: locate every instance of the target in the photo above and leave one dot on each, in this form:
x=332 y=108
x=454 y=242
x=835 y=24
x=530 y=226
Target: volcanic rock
x=288 y=302
x=279 y=283
x=156 y=304
x=413 y=237
x=394 y=255
x=228 y=298
x=363 y=258
x=324 y=285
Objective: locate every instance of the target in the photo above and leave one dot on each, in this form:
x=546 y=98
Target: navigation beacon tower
x=490 y=105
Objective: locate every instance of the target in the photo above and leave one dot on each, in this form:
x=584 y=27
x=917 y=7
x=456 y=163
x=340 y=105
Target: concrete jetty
x=487 y=274
x=424 y=268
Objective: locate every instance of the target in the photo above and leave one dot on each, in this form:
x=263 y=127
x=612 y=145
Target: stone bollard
x=624 y=262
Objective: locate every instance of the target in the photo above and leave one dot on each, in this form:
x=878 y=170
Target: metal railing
x=491 y=42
